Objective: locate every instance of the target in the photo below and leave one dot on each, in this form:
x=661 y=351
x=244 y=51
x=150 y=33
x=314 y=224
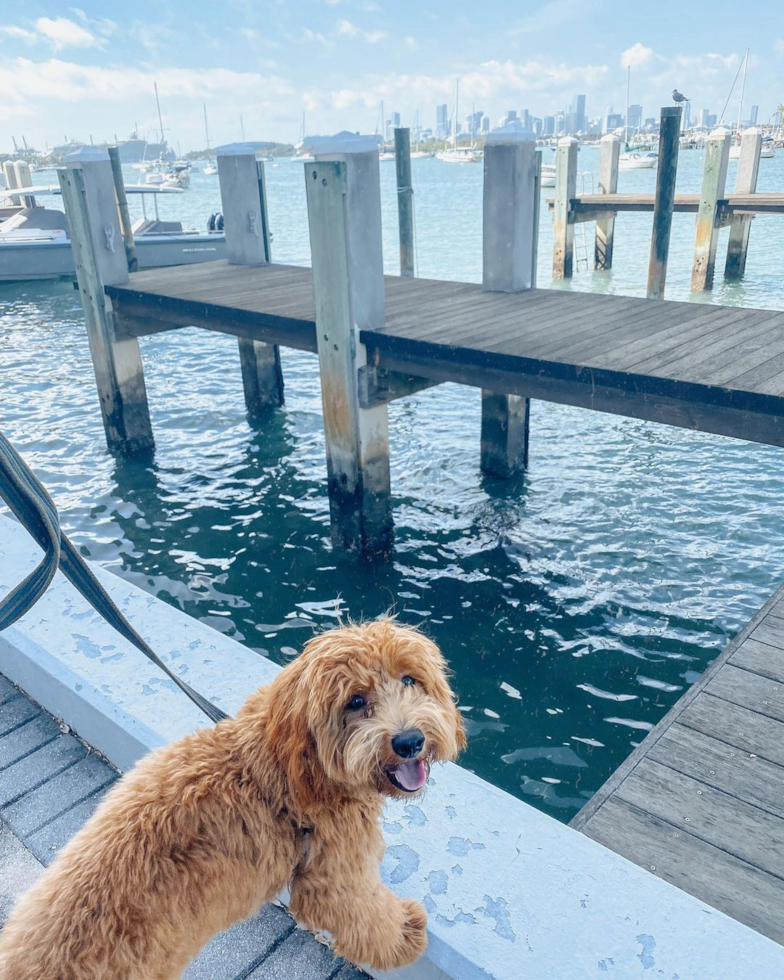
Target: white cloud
x=411 y=42
x=345 y=27
x=19 y=33
x=637 y=56
x=63 y=33
x=309 y=35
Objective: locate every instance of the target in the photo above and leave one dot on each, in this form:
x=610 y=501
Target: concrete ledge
x=511 y=892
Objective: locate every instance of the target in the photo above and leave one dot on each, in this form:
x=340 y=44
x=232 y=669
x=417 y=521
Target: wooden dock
x=713 y=206
x=700 y=802
x=703 y=367
x=712 y=368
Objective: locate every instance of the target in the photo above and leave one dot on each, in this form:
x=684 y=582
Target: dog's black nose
x=408 y=744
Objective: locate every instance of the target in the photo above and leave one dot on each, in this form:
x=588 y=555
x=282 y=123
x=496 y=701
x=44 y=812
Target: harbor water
x=575 y=606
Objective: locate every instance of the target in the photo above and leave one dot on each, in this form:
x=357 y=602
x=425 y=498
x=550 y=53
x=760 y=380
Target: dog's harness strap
x=35 y=509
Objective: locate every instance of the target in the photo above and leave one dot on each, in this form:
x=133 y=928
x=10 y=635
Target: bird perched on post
x=678 y=97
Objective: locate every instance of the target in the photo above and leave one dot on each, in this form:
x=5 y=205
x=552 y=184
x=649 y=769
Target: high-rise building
x=613 y=121
x=485 y=124
x=704 y=114
x=634 y=118
x=442 y=122
x=510 y=115
x=525 y=118
x=548 y=126
x=560 y=122
x=753 y=115
x=577 y=112
x=474 y=122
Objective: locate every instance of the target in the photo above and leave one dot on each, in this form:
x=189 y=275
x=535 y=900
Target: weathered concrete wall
x=511 y=892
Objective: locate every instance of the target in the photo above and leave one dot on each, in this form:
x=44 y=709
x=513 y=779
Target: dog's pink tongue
x=411 y=775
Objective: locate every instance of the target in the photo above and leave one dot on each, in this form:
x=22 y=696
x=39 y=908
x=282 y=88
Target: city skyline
x=80 y=74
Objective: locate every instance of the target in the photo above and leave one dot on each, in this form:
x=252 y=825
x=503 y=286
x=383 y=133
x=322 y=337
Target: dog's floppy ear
x=290 y=738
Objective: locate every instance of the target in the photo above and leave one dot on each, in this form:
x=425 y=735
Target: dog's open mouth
x=408 y=776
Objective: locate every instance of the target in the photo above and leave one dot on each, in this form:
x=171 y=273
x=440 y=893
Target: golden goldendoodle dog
x=202 y=832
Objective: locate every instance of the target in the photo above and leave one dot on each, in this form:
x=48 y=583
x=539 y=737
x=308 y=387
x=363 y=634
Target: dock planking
x=587 y=207
x=705 y=367
x=700 y=802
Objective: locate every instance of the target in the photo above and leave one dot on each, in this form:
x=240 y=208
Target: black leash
x=36 y=511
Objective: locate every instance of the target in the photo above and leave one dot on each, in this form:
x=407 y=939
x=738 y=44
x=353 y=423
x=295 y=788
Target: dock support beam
x=344 y=215
x=664 y=199
x=563 y=218
x=90 y=205
x=608 y=184
x=244 y=202
x=509 y=232
x=745 y=183
x=717 y=155
x=405 y=200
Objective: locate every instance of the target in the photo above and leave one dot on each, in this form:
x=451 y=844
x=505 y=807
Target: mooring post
x=122 y=207
x=664 y=199
x=96 y=241
x=10 y=182
x=509 y=233
x=344 y=215
x=244 y=202
x=405 y=200
x=608 y=184
x=745 y=183
x=24 y=179
x=717 y=155
x=563 y=218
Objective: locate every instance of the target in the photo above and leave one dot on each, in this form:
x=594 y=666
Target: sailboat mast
x=457 y=104
x=206 y=127
x=242 y=129
x=743 y=88
x=626 y=117
x=158 y=104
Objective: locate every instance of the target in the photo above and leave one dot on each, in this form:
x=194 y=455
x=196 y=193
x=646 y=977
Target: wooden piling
x=509 y=236
x=344 y=215
x=405 y=200
x=246 y=225
x=563 y=220
x=122 y=206
x=745 y=183
x=88 y=195
x=664 y=199
x=717 y=155
x=608 y=184
x=10 y=182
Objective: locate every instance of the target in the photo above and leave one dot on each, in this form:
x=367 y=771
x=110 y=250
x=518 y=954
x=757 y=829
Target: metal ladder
x=585 y=186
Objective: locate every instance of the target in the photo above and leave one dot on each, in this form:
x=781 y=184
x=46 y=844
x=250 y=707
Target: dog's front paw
x=414 y=928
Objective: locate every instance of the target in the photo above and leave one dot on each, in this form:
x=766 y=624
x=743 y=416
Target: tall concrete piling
x=509 y=232
x=99 y=255
x=745 y=183
x=344 y=215
x=717 y=155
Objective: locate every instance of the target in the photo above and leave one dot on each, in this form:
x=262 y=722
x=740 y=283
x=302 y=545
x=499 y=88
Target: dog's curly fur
x=204 y=831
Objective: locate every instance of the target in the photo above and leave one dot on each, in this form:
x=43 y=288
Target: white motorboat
x=420 y=154
x=34 y=242
x=211 y=169
x=458 y=154
x=547 y=178
x=636 y=160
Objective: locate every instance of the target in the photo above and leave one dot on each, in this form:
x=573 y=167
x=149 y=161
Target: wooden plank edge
x=579 y=821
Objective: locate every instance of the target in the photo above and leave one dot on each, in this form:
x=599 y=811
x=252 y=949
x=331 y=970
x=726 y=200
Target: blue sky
x=89 y=70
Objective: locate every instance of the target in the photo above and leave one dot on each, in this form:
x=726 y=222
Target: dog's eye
x=408 y=680
x=357 y=703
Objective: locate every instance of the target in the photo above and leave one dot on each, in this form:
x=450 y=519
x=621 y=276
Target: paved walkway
x=50 y=783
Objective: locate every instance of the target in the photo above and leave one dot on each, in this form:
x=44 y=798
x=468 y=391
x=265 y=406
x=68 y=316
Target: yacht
x=34 y=242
